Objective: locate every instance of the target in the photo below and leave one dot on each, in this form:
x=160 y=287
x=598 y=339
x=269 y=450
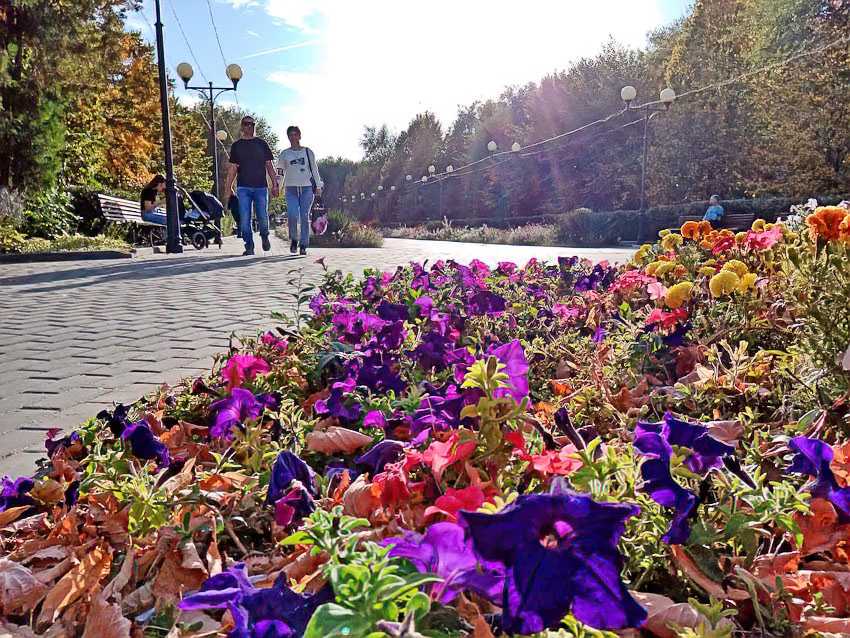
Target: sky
x=335 y=66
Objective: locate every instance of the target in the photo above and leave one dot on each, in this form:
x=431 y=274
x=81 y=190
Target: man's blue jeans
x=259 y=197
x=299 y=201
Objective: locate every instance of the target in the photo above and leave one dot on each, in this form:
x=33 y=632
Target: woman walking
x=302 y=183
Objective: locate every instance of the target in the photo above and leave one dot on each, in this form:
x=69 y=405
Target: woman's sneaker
x=267 y=245
x=293 y=247
x=303 y=250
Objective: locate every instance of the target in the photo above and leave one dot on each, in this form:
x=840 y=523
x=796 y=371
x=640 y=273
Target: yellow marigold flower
x=736 y=266
x=758 y=225
x=723 y=283
x=678 y=294
x=663 y=268
x=664 y=232
x=650 y=268
x=740 y=237
x=707 y=271
x=710 y=262
x=769 y=226
x=680 y=271
x=827 y=221
x=747 y=281
x=671 y=241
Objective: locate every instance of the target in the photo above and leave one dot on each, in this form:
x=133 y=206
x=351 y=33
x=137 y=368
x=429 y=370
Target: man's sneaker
x=293 y=247
x=248 y=251
x=267 y=245
x=303 y=250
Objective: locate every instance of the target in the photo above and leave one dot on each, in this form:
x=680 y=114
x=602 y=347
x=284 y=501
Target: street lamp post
x=172 y=223
x=234 y=74
x=667 y=96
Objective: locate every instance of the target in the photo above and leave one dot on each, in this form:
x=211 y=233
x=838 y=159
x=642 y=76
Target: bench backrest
x=116 y=209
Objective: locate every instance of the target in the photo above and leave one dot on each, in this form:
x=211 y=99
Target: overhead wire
x=220 y=49
x=461 y=171
x=186 y=40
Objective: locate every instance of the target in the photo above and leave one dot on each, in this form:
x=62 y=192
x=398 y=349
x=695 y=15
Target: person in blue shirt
x=714 y=212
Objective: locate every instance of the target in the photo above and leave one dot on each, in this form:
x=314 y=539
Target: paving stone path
x=77 y=337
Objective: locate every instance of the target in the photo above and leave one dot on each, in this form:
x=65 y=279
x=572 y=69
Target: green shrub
x=342 y=231
x=66 y=243
x=11 y=240
x=48 y=214
x=583 y=227
x=532 y=235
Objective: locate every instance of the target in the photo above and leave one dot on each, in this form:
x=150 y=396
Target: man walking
x=250 y=163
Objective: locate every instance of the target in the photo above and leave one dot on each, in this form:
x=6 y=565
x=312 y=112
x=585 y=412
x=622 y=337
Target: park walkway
x=77 y=337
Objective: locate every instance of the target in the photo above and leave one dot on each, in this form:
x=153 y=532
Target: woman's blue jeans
x=154 y=216
x=259 y=197
x=299 y=201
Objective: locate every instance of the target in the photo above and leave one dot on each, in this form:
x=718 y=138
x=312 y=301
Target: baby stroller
x=200 y=213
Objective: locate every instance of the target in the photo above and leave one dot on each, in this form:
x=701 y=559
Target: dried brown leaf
x=122 y=578
x=80 y=579
x=105 y=620
x=8 y=630
x=10 y=515
x=336 y=440
x=471 y=614
x=362 y=498
x=20 y=590
x=663 y=613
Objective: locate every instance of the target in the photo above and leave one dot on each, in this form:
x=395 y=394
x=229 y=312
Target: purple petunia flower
x=443 y=550
x=15 y=493
x=560 y=554
x=116 y=421
x=485 y=302
x=276 y=611
x=392 y=311
x=240 y=406
x=387 y=451
x=334 y=404
x=431 y=351
x=145 y=445
x=599 y=335
x=656 y=441
x=812 y=457
x=286 y=469
x=293 y=506
x=516 y=367
x=658 y=482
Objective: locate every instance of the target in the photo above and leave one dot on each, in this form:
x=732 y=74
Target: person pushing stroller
x=299 y=175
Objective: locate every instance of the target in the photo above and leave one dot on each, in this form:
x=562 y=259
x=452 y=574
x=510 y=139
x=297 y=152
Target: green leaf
x=332 y=620
x=298 y=538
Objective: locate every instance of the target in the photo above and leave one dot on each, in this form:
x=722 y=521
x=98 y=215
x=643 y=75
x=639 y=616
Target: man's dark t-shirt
x=251 y=156
x=148 y=195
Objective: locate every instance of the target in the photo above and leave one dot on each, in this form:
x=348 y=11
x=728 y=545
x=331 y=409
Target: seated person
x=150 y=211
x=714 y=212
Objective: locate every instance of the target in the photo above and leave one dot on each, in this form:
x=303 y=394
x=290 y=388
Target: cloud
x=384 y=61
x=241 y=4
x=253 y=34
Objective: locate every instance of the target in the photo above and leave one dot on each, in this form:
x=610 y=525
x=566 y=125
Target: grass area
x=529 y=235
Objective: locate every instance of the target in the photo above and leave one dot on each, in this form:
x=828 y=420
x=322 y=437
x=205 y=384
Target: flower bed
x=459 y=450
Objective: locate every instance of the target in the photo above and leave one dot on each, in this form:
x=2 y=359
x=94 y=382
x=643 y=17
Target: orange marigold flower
x=725 y=240
x=826 y=222
x=690 y=230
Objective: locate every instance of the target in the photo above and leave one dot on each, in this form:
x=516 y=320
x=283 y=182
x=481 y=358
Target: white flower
x=812 y=203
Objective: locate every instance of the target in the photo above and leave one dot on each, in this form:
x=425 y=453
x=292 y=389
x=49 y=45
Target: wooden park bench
x=731 y=221
x=123 y=211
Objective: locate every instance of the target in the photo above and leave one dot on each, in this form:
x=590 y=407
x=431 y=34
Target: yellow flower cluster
x=671 y=241
x=733 y=276
x=659 y=268
x=678 y=294
x=640 y=255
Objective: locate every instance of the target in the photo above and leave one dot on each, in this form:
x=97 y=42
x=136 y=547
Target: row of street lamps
x=627 y=94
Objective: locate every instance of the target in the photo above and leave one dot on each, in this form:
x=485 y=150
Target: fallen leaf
x=336 y=440
x=20 y=590
x=123 y=576
x=845 y=360
x=10 y=515
x=471 y=614
x=663 y=613
x=173 y=578
x=105 y=620
x=80 y=579
x=835 y=626
x=138 y=600
x=820 y=527
x=362 y=498
x=8 y=630
x=690 y=569
x=215 y=563
x=725 y=431
x=48 y=491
